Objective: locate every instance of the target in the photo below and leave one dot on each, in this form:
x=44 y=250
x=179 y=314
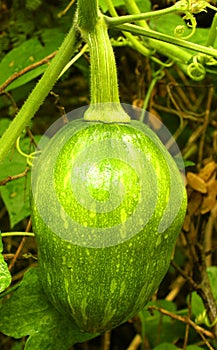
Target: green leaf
x=212 y=273
x=155 y=321
x=144 y=6
x=4 y=123
x=29 y=312
x=197 y=305
x=198 y=308
x=116 y=3
x=16 y=198
x=5 y=276
x=182 y=163
x=33 y=5
x=15 y=194
x=188 y=163
x=167 y=24
x=165 y=346
x=29 y=52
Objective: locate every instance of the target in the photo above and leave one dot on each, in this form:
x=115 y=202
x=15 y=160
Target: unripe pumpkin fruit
x=108 y=204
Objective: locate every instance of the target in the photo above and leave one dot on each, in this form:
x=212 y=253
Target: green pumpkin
x=108 y=204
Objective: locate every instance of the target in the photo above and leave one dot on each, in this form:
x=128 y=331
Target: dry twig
x=106 y=340
x=183 y=319
x=135 y=343
x=17 y=75
x=19 y=249
x=14 y=177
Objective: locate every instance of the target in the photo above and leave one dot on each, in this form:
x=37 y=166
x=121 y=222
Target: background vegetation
x=183 y=313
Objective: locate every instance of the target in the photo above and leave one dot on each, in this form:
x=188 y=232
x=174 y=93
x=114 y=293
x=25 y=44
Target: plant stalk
x=105 y=104
x=88 y=12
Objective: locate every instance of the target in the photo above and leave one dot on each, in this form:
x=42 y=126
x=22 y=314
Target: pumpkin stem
x=105 y=104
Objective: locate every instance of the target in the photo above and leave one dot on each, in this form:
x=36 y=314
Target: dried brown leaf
x=209 y=200
x=195 y=182
x=207 y=171
x=187 y=223
x=194 y=203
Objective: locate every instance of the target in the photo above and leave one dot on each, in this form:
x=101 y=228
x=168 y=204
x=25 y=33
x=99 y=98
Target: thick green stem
x=39 y=93
x=105 y=104
x=104 y=87
x=87 y=14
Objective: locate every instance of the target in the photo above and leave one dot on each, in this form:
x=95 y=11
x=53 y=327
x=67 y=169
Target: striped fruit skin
x=96 y=265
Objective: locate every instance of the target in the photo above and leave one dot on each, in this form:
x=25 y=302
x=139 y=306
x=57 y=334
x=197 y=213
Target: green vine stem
x=137 y=16
x=173 y=52
x=135 y=43
x=172 y=47
x=10 y=234
x=105 y=104
x=168 y=39
x=39 y=93
x=156 y=76
x=9 y=291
